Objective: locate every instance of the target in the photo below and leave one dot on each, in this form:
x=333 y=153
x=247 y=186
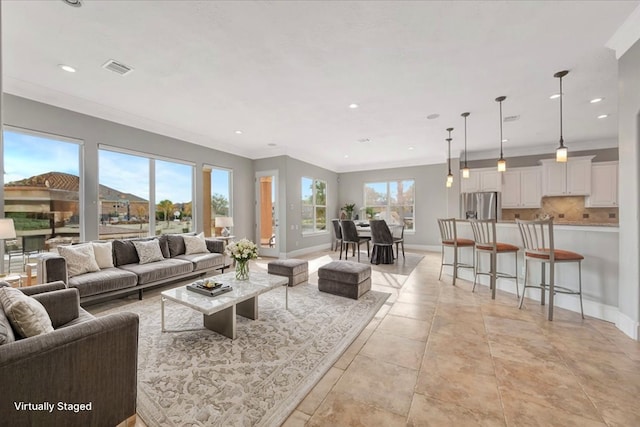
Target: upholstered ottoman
x=296 y=270
x=345 y=278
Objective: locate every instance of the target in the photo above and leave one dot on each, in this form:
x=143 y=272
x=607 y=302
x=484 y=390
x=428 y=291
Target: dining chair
x=399 y=241
x=350 y=237
x=484 y=235
x=382 y=239
x=337 y=231
x=449 y=239
x=537 y=238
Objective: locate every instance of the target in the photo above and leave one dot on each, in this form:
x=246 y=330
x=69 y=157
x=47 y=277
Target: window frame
x=314 y=205
x=389 y=204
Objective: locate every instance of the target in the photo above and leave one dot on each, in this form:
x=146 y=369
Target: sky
x=29 y=155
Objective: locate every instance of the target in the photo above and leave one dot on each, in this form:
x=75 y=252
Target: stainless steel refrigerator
x=484 y=205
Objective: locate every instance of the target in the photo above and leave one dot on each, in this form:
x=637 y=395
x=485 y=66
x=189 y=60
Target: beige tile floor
x=439 y=355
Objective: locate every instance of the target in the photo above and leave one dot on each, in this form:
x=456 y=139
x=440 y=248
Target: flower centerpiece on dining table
x=242 y=251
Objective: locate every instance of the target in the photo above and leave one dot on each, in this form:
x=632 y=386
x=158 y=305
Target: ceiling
x=285 y=73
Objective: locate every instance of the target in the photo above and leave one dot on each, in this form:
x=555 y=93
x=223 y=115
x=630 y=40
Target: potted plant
x=348 y=209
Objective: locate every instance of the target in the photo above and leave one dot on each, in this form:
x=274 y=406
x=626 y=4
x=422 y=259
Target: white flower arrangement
x=242 y=250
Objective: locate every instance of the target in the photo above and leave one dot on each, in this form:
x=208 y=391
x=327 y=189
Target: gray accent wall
x=35 y=116
x=432 y=197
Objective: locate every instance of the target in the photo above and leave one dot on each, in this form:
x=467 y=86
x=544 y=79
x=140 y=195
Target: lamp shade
x=224 y=221
x=7 y=229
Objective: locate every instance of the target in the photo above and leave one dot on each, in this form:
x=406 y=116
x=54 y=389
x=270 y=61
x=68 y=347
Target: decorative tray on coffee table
x=209 y=287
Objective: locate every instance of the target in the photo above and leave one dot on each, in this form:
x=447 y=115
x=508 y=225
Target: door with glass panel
x=267 y=230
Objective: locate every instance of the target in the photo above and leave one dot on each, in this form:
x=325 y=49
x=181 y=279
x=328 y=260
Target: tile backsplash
x=565 y=209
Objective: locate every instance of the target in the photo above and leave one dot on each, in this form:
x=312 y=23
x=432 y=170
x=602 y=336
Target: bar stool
x=449 y=237
x=484 y=233
x=537 y=237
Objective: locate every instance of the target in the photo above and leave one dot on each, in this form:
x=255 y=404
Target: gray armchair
x=85 y=360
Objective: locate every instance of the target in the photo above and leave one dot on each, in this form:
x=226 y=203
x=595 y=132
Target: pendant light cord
x=561 y=138
x=501 y=129
x=465 y=141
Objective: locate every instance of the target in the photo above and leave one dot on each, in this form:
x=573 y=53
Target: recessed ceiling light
x=74 y=3
x=353 y=106
x=505 y=140
x=346 y=156
x=239 y=132
x=603 y=116
x=596 y=100
x=410 y=148
x=555 y=96
x=433 y=116
x=67 y=68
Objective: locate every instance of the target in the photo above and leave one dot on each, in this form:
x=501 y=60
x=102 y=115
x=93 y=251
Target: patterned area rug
x=200 y=378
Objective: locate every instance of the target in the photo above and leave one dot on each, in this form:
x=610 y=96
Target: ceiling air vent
x=511 y=118
x=117 y=67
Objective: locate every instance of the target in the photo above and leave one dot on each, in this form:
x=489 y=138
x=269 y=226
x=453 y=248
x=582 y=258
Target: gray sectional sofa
x=128 y=275
x=83 y=360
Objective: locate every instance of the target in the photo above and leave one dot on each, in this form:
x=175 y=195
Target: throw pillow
x=148 y=251
x=195 y=244
x=80 y=259
x=104 y=254
x=6 y=332
x=27 y=316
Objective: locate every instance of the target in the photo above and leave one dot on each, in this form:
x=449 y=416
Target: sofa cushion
x=164 y=245
x=160 y=270
x=103 y=252
x=206 y=261
x=27 y=316
x=109 y=279
x=80 y=259
x=176 y=245
x=6 y=332
x=148 y=251
x=195 y=244
x=124 y=252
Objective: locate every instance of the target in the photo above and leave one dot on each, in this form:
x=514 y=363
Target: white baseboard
x=305 y=251
x=629 y=326
x=429 y=248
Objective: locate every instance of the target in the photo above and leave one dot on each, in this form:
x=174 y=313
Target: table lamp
x=7 y=231
x=224 y=222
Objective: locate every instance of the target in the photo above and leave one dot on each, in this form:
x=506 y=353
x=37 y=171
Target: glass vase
x=242 y=269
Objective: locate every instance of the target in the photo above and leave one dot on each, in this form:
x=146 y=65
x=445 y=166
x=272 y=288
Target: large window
x=41 y=189
x=314 y=205
x=217 y=197
x=126 y=182
x=393 y=201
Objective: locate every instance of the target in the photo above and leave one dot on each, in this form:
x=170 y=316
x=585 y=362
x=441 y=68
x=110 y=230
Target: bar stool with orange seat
x=537 y=237
x=450 y=239
x=484 y=233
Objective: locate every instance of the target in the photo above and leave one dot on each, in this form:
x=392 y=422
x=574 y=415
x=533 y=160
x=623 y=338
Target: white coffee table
x=219 y=312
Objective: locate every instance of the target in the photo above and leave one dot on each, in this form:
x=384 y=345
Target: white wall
x=629 y=190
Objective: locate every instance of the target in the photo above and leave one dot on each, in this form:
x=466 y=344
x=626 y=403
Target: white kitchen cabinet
x=604 y=185
x=572 y=178
x=521 y=188
x=481 y=180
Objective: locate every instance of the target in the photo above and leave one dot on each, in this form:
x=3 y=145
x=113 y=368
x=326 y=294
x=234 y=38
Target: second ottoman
x=345 y=278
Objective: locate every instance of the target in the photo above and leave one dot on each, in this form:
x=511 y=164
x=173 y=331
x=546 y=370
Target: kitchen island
x=597 y=243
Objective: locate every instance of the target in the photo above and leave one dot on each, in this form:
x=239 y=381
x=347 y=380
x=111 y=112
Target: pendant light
x=502 y=163
x=561 y=151
x=465 y=170
x=450 y=175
